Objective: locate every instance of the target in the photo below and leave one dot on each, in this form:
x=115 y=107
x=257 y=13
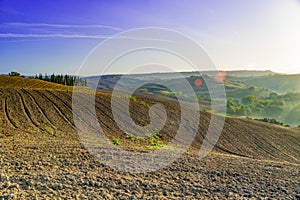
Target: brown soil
x=43 y=158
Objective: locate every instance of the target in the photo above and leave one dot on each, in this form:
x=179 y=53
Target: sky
x=56 y=36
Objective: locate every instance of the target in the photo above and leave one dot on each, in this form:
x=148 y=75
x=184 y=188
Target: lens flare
x=220 y=77
x=198 y=82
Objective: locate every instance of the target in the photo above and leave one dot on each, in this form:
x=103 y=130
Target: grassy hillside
x=277 y=83
x=233 y=89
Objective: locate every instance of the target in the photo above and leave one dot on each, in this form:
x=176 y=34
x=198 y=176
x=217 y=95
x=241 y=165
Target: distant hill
x=244 y=73
x=233 y=89
x=92 y=80
x=278 y=83
x=247 y=95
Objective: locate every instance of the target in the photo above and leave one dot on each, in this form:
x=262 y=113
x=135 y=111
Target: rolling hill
x=42 y=155
x=44 y=109
x=281 y=84
x=29 y=83
x=255 y=94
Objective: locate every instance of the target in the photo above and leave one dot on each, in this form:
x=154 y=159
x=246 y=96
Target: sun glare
x=290 y=32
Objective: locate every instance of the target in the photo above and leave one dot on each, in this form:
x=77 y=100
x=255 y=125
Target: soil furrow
x=264 y=142
x=63 y=101
x=6 y=113
x=39 y=108
x=50 y=111
x=68 y=98
x=87 y=111
x=17 y=112
x=27 y=112
x=231 y=138
x=55 y=106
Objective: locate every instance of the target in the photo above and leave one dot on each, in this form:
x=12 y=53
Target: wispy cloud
x=29 y=35
x=51 y=31
x=73 y=36
x=23 y=40
x=43 y=31
x=27 y=25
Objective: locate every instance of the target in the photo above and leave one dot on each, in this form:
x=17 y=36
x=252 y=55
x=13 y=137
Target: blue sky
x=56 y=36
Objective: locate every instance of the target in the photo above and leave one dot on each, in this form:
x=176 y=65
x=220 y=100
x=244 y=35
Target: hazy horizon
x=155 y=72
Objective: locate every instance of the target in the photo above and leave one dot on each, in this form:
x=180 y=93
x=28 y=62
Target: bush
x=116 y=141
x=130 y=136
x=154 y=142
x=145 y=104
x=132 y=98
x=273 y=121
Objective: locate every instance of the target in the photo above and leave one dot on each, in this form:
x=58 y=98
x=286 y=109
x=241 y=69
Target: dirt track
x=41 y=155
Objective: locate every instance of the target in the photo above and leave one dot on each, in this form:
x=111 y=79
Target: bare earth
x=42 y=157
x=62 y=168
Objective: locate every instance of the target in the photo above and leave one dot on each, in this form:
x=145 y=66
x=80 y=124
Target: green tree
x=40 y=76
x=14 y=74
x=248 y=99
x=273 y=95
x=52 y=78
x=234 y=107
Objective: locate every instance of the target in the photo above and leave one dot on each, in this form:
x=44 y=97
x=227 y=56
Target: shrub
x=273 y=121
x=130 y=136
x=132 y=98
x=116 y=141
x=145 y=104
x=154 y=142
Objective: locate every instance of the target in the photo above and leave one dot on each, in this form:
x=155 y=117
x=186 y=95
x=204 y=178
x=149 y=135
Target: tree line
x=284 y=108
x=62 y=79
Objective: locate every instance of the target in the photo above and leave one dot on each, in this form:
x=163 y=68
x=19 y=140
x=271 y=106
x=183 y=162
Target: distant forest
x=62 y=79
